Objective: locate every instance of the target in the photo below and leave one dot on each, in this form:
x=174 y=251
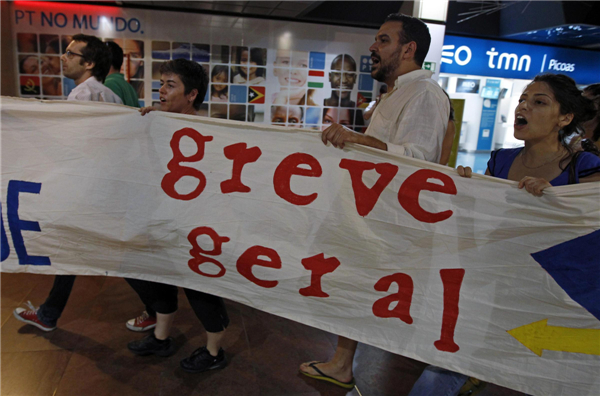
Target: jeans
x=436 y=381
x=52 y=308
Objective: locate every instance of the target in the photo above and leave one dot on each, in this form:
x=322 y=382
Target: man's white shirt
x=94 y=91
x=413 y=117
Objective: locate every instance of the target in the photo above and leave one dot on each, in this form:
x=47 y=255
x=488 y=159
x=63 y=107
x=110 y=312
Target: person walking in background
x=86 y=61
x=115 y=79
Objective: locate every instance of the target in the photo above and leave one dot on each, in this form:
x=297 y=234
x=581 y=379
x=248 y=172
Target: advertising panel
x=463 y=55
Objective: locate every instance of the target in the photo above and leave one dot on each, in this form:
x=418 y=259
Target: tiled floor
x=87 y=354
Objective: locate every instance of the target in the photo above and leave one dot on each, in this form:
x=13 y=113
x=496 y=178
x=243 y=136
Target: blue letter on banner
x=17 y=225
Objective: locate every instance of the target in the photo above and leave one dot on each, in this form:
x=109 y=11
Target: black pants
x=52 y=308
x=161 y=298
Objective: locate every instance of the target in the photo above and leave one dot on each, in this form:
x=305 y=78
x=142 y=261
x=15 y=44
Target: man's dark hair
x=413 y=29
x=191 y=74
x=95 y=51
x=116 y=55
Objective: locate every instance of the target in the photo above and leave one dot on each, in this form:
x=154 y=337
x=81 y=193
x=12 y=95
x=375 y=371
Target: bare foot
x=328 y=368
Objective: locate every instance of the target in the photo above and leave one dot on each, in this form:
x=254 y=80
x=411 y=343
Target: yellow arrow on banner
x=538 y=336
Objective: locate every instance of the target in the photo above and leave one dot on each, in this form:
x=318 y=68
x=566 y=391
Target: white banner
x=394 y=252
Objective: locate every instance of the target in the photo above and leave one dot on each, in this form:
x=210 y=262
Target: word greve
x=305 y=165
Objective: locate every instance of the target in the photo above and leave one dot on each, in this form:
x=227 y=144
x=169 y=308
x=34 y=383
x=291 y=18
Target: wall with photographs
x=282 y=73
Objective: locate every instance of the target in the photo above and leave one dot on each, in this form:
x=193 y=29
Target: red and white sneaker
x=29 y=316
x=142 y=323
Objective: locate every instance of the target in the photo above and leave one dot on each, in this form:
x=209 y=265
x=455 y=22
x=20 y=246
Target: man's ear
x=192 y=95
x=89 y=65
x=410 y=50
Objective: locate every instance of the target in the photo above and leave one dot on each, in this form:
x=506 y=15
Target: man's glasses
x=71 y=54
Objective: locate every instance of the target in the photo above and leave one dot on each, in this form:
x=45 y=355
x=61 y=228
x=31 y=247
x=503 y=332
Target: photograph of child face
x=50 y=65
x=249 y=59
x=218 y=87
x=29 y=64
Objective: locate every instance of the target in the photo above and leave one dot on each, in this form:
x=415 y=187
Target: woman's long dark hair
x=571 y=101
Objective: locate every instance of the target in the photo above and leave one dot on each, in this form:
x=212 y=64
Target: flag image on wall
x=30 y=85
x=363 y=99
x=315 y=78
x=256 y=94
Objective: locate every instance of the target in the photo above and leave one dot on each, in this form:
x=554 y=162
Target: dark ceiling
x=563 y=23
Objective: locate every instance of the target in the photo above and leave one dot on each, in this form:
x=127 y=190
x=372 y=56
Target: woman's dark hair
x=593 y=89
x=97 y=52
x=571 y=101
x=191 y=74
x=593 y=92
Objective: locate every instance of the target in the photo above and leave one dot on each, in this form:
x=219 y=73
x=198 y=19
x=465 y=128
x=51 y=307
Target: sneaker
x=29 y=316
x=149 y=345
x=201 y=360
x=142 y=323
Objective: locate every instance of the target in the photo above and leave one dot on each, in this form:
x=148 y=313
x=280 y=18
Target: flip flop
x=324 y=377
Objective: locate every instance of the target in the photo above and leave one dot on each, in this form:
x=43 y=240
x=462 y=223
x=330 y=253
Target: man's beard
x=387 y=68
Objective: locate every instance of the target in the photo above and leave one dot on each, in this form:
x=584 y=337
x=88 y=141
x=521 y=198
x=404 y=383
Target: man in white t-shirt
x=87 y=62
x=411 y=119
